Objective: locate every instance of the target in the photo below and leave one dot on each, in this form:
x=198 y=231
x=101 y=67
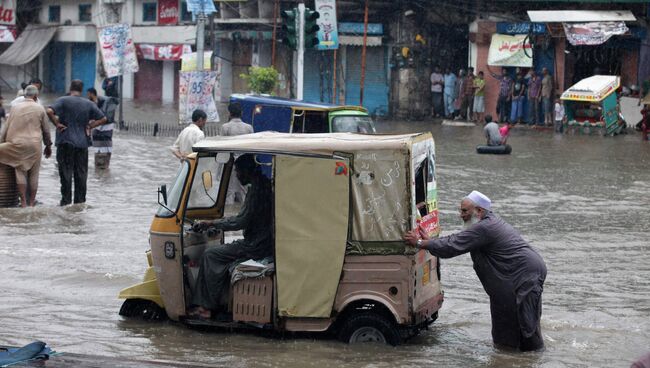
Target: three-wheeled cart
x=591 y=105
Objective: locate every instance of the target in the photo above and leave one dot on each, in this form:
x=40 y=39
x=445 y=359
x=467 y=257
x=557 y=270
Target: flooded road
x=581 y=200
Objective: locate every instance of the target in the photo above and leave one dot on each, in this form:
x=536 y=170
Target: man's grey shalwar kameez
x=512 y=274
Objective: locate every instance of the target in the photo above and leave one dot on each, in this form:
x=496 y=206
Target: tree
x=261 y=80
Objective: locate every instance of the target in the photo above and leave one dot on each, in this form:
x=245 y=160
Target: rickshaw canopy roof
x=323 y=143
x=592 y=89
x=380 y=171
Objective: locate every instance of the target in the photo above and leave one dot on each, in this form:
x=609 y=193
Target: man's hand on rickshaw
x=411 y=237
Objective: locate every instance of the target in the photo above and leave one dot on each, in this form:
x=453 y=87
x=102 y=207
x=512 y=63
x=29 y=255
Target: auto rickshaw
x=591 y=105
x=341 y=204
x=269 y=113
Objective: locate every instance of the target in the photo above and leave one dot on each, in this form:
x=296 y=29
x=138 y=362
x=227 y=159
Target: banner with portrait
x=328 y=38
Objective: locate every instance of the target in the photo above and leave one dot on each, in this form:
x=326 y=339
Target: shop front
x=517 y=48
x=570 y=49
x=157 y=78
x=341 y=84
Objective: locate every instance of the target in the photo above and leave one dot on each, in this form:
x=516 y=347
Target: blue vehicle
x=266 y=113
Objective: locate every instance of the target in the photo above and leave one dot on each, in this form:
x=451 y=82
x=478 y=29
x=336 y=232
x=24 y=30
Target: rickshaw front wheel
x=369 y=327
x=143 y=309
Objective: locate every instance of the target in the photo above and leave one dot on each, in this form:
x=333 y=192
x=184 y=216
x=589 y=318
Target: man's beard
x=472 y=220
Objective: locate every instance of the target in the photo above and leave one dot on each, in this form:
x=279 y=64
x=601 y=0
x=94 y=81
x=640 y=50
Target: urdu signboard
x=8 y=12
x=508 y=50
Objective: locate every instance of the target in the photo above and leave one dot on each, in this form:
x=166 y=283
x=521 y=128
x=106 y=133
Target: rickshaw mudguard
x=147 y=290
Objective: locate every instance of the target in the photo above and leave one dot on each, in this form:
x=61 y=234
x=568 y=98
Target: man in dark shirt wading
x=512 y=273
x=74 y=118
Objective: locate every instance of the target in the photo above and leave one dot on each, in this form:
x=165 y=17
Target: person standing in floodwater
x=235 y=126
x=74 y=117
x=510 y=270
x=21 y=147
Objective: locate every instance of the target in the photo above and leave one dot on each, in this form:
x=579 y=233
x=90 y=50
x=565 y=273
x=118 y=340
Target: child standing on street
x=559 y=115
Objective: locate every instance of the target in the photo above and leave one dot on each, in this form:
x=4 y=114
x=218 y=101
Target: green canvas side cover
x=381 y=188
x=311 y=220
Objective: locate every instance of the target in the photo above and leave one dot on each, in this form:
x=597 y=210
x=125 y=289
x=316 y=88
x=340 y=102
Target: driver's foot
x=200 y=312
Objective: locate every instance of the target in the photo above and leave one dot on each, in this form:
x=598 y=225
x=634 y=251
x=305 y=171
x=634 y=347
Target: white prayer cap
x=480 y=199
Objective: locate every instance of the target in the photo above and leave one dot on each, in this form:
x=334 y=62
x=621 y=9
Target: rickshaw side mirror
x=207 y=179
x=162 y=190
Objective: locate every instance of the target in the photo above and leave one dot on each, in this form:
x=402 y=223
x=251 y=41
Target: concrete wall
x=77 y=33
x=168 y=81
x=482 y=40
x=226 y=54
x=185 y=34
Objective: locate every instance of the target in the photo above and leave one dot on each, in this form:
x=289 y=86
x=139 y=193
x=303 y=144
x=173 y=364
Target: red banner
x=168 y=12
x=162 y=52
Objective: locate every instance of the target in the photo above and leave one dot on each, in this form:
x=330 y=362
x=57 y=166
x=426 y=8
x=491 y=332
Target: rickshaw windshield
x=174 y=192
x=353 y=124
x=200 y=196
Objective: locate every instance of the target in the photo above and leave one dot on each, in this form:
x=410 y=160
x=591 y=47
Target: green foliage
x=261 y=80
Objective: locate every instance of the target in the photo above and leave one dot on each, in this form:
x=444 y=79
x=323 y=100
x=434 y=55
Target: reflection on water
x=582 y=201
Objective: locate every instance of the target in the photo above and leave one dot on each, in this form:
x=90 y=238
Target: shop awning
x=28 y=45
x=593 y=33
x=561 y=16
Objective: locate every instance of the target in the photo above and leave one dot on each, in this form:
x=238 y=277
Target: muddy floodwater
x=583 y=201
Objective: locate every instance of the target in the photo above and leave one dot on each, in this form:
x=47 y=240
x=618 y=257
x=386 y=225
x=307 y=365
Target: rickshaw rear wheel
x=143 y=309
x=369 y=327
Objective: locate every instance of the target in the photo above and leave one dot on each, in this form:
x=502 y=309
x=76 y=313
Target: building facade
x=405 y=41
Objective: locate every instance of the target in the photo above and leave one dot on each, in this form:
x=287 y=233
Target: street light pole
x=301 y=51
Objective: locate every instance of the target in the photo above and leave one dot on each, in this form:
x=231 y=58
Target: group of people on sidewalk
x=530 y=89
x=460 y=97
x=75 y=118
x=463 y=96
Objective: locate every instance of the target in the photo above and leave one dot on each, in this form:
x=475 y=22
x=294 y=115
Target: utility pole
x=301 y=51
x=276 y=11
x=363 y=54
x=200 y=37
